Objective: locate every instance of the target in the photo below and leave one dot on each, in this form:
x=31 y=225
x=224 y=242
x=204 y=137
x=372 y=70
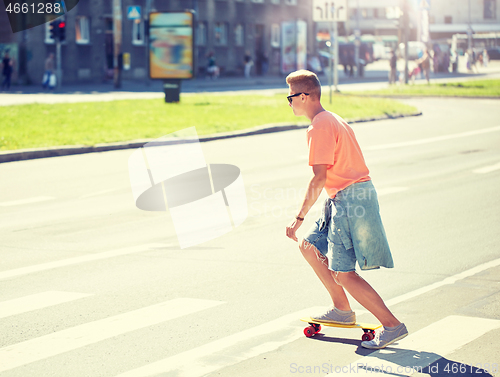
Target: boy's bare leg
x=366 y=296
x=316 y=261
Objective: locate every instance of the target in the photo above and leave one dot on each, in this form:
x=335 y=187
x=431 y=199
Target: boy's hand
x=292 y=228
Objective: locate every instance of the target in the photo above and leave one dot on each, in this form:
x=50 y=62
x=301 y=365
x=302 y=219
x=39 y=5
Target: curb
x=31 y=154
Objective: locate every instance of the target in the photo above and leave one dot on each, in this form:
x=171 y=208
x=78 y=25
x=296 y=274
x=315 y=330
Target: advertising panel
x=288 y=47
x=171 y=45
x=301 y=45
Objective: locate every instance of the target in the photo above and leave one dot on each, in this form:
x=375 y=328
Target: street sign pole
x=117 y=41
x=146 y=39
x=330 y=13
x=330 y=62
x=357 y=40
x=406 y=21
x=58 y=62
x=336 y=54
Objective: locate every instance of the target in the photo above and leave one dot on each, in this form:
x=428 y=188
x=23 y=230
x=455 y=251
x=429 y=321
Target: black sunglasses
x=289 y=98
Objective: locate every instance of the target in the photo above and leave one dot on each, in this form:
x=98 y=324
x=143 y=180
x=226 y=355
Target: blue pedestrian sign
x=134 y=12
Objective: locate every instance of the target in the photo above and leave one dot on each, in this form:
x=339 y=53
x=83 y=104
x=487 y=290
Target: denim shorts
x=331 y=247
x=350 y=229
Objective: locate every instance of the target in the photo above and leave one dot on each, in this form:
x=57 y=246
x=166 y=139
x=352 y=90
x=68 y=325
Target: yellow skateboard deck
x=315 y=327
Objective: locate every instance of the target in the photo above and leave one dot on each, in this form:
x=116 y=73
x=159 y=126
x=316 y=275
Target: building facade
x=228 y=28
x=455 y=16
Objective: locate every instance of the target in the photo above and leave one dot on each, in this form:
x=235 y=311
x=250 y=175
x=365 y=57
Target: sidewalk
x=376 y=72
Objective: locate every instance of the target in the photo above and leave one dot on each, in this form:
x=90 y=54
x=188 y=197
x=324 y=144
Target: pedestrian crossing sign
x=134 y=12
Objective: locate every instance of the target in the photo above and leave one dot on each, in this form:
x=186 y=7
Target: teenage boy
x=350 y=228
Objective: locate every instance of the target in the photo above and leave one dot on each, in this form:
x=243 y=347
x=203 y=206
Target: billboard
x=293 y=46
x=288 y=47
x=171 y=45
x=301 y=45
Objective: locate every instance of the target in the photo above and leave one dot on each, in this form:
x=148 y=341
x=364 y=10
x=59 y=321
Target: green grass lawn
x=91 y=123
x=479 y=88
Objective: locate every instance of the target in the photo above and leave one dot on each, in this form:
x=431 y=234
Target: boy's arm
x=314 y=189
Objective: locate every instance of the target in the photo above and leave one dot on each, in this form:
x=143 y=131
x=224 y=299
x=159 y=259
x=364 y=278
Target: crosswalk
x=423 y=348
x=76 y=337
x=413 y=353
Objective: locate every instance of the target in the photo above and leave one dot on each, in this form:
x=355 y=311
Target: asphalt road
x=92 y=286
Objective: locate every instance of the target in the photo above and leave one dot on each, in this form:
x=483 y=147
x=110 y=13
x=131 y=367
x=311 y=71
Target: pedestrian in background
x=393 y=64
x=265 y=64
x=341 y=238
x=474 y=62
x=212 y=69
x=7 y=68
x=485 y=58
x=248 y=64
x=425 y=63
x=49 y=77
x=351 y=62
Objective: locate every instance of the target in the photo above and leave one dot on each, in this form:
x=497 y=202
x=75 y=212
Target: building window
x=138 y=32
x=201 y=34
x=220 y=34
x=82 y=34
x=379 y=13
x=239 y=37
x=490 y=9
x=391 y=13
x=448 y=19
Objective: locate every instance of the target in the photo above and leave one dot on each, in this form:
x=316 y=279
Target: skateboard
x=315 y=327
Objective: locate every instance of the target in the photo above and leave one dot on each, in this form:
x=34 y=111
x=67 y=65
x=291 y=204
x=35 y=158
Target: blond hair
x=305 y=81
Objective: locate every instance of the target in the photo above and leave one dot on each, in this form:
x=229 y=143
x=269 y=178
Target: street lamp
x=357 y=40
x=469 y=33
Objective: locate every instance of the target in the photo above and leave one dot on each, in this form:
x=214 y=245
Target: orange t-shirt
x=332 y=142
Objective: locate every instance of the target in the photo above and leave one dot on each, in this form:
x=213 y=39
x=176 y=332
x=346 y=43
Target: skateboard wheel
x=367 y=336
x=309 y=331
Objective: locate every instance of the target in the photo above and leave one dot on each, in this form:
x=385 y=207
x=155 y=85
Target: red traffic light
x=62 y=24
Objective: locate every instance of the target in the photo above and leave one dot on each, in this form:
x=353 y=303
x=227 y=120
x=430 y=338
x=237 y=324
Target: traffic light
x=54 y=30
x=62 y=30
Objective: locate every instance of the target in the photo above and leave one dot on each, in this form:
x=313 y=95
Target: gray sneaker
x=336 y=316
x=386 y=337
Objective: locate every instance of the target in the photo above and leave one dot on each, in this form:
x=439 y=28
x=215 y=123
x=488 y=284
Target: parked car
x=494 y=53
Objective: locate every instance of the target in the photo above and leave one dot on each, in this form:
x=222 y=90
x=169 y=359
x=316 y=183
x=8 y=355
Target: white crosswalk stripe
x=66 y=340
x=37 y=301
x=487 y=169
x=433 y=139
x=228 y=351
x=72 y=261
x=36 y=199
x=419 y=350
